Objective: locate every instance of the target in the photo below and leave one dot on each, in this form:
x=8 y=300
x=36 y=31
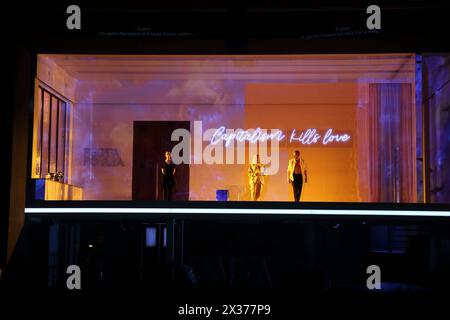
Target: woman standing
x=255 y=172
x=168 y=171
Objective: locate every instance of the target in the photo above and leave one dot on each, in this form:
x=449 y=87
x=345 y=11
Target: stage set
x=102 y=125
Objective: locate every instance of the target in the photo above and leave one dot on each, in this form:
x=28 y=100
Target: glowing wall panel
x=332 y=170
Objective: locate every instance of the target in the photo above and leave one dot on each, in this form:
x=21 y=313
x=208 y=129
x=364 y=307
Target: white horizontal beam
x=333 y=212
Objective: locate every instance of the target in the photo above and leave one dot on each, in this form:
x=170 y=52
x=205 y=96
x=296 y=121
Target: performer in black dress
x=168 y=171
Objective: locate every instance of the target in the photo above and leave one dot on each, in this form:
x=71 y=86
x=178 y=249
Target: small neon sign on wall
x=314 y=136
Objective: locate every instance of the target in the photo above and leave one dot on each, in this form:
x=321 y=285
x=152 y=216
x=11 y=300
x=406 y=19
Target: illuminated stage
x=153 y=155
x=353 y=117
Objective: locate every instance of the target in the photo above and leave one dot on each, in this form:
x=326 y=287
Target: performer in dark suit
x=295 y=171
x=168 y=171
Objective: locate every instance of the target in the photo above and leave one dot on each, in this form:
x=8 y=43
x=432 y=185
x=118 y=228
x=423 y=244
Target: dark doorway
x=150 y=140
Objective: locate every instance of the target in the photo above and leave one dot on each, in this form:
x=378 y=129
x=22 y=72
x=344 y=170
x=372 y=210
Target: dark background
x=216 y=259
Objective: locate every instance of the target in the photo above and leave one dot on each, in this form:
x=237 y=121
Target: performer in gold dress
x=255 y=179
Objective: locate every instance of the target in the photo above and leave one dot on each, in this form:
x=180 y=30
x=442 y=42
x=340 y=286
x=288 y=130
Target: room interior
x=101 y=98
